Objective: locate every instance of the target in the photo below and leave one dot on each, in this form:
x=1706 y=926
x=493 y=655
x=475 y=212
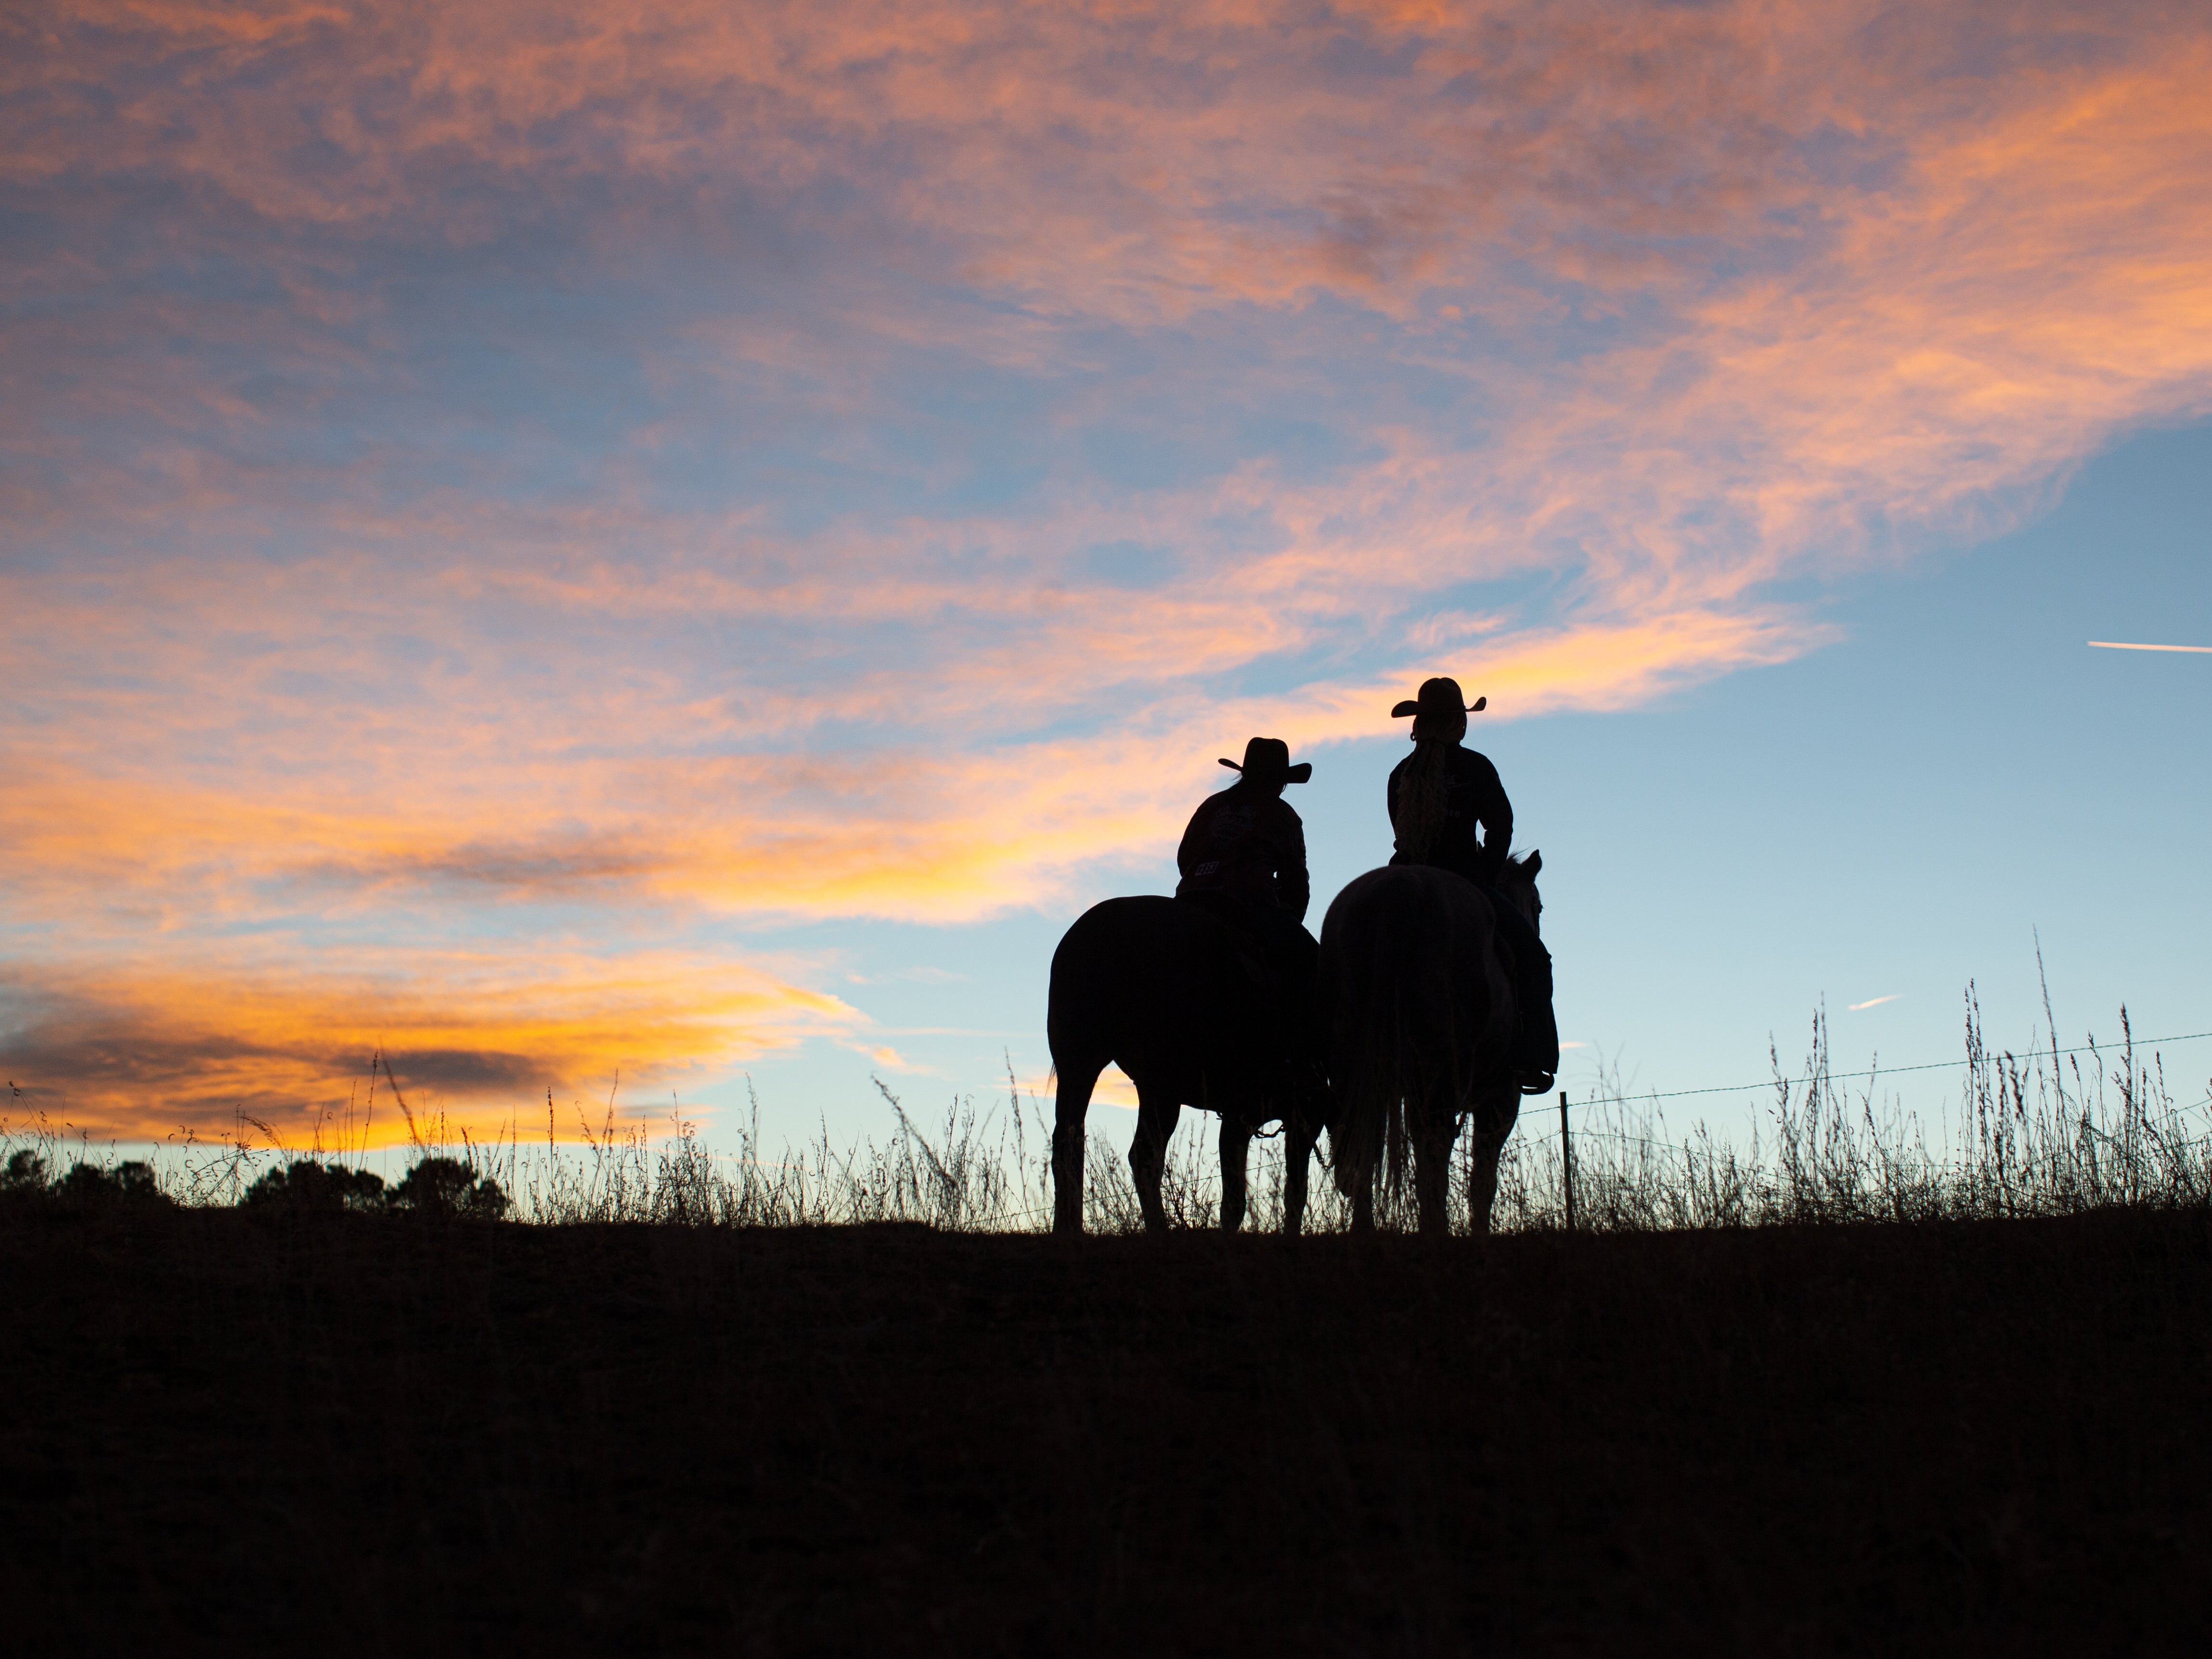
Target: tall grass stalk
x=2036 y=1133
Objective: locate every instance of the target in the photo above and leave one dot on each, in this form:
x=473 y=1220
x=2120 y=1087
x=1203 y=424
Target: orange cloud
x=476 y=1042
x=894 y=835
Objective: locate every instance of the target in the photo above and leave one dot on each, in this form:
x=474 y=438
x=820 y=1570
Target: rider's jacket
x=1473 y=796
x=1249 y=844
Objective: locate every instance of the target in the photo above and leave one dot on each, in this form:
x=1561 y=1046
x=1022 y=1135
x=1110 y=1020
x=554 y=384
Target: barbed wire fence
x=2046 y=1130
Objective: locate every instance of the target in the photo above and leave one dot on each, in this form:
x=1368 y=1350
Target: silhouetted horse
x=1169 y=993
x=1420 y=1025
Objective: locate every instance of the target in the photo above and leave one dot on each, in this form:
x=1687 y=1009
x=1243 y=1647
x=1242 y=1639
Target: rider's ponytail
x=1419 y=818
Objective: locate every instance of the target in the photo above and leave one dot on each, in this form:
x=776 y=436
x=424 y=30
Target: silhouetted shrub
x=26 y=1172
x=445 y=1186
x=130 y=1182
x=327 y=1188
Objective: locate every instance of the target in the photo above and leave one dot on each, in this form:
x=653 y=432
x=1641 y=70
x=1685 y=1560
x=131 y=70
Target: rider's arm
x=1495 y=813
x=1390 y=801
x=1294 y=888
x=1194 y=837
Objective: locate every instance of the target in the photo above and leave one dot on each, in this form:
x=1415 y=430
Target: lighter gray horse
x=1420 y=1014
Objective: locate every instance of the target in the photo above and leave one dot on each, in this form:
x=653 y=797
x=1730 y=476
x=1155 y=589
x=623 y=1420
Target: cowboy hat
x=1267 y=760
x=1438 y=696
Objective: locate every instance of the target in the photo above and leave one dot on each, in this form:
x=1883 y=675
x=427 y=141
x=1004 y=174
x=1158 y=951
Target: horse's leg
x=1356 y=1150
x=1432 y=1142
x=1068 y=1113
x=1148 y=1152
x=1487 y=1131
x=1482 y=1178
x=1236 y=1150
x=1298 y=1138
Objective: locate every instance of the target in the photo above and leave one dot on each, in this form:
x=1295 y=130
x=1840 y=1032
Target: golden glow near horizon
x=498 y=492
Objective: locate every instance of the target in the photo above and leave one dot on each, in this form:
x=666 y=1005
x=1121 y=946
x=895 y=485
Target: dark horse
x=1168 y=993
x=1420 y=1026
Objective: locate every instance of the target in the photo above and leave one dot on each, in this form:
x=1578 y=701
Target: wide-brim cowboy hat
x=1267 y=760
x=1438 y=696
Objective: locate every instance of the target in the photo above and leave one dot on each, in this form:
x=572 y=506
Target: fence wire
x=2037 y=1133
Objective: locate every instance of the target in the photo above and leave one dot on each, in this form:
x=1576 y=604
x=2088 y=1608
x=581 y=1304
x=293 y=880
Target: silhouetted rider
x=1448 y=808
x=1243 y=858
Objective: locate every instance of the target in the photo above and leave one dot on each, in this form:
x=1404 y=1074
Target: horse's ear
x=1533 y=863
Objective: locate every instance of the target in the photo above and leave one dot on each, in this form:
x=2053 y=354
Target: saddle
x=1245 y=948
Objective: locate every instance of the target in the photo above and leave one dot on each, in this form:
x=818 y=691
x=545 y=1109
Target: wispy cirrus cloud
x=483 y=474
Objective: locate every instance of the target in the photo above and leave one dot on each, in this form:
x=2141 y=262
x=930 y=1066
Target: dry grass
x=2037 y=1133
x=2034 y=1134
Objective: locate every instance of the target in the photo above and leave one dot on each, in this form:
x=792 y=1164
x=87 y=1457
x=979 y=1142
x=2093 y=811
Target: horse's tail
x=1370 y=1018
x=1419 y=987
x=1392 y=970
x=1394 y=1160
x=1389 y=1033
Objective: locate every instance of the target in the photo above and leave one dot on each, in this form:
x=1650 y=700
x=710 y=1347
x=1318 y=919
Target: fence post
x=1567 y=1158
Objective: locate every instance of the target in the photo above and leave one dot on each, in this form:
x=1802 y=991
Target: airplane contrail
x=2119 y=645
x=1875 y=1002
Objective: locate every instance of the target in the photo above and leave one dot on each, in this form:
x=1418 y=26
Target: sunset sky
x=693 y=539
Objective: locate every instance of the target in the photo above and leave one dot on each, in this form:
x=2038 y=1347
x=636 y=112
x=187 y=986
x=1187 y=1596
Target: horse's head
x=1517 y=882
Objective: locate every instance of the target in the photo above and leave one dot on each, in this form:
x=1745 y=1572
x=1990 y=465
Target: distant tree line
x=434 y=1185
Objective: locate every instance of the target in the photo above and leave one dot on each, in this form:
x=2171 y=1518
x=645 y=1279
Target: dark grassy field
x=392 y=1434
